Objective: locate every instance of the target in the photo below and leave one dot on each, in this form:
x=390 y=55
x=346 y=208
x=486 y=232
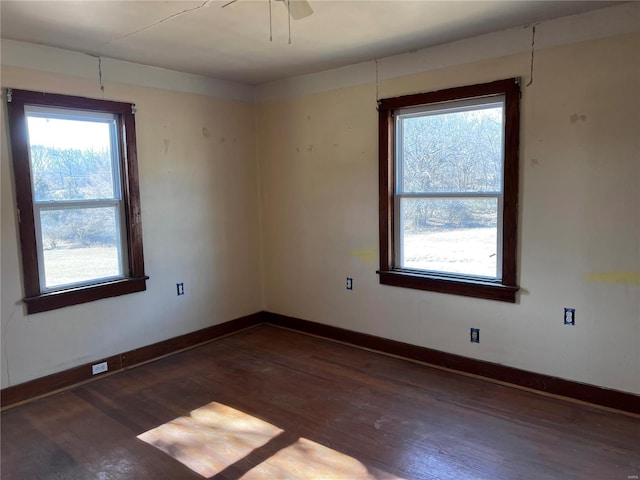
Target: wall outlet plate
x=569 y=316
x=349 y=283
x=99 y=368
x=475 y=335
x=180 y=288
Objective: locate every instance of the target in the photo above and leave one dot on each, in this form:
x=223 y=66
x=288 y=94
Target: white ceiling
x=232 y=43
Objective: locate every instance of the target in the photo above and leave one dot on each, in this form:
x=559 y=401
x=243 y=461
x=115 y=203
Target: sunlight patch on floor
x=310 y=460
x=212 y=438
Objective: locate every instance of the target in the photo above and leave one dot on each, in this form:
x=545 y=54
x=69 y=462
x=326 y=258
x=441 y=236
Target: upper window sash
x=401 y=115
x=109 y=120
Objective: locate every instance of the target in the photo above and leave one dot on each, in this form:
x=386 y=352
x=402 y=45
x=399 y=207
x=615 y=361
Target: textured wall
x=199 y=195
x=579 y=215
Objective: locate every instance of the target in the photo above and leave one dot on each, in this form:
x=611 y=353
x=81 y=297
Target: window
x=449 y=190
x=76 y=178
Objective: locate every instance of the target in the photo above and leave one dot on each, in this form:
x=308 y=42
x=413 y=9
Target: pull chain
x=289 y=12
x=270 y=24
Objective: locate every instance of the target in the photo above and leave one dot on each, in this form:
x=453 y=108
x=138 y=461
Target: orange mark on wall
x=628 y=278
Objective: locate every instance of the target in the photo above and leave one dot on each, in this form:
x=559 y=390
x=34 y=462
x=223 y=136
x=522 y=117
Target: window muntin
x=51 y=203
x=77 y=200
x=449 y=196
x=487 y=199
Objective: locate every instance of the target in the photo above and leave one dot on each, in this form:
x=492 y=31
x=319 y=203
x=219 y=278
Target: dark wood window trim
x=504 y=290
x=34 y=298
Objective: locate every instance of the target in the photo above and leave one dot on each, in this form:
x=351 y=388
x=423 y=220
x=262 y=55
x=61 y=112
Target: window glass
x=450 y=236
x=76 y=195
x=80 y=245
x=452 y=149
x=72 y=158
x=447 y=155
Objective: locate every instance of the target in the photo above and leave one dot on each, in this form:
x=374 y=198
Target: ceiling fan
x=297 y=8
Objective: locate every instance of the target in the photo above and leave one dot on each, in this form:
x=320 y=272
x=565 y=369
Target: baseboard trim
x=537 y=382
x=599 y=396
x=40 y=387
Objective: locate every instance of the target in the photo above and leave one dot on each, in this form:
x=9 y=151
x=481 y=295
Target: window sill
x=454 y=286
x=74 y=296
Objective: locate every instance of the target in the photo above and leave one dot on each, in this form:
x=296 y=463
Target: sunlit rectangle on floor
x=212 y=438
x=310 y=460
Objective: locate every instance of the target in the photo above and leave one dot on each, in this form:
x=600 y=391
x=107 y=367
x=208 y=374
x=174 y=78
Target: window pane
x=70 y=159
x=80 y=245
x=453 y=151
x=450 y=235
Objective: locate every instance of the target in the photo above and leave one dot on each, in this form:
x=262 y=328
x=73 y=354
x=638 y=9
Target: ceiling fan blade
x=299 y=9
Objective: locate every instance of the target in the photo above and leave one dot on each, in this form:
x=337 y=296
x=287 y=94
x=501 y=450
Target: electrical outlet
x=180 y=288
x=475 y=335
x=99 y=368
x=569 y=316
x=349 y=283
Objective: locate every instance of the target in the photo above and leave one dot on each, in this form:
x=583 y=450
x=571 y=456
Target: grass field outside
x=470 y=251
x=71 y=265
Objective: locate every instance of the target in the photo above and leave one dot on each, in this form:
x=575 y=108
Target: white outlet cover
x=99 y=368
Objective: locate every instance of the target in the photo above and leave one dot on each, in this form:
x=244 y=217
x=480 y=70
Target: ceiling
x=233 y=43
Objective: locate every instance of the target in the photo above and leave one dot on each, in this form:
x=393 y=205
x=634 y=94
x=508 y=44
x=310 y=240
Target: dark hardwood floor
x=269 y=403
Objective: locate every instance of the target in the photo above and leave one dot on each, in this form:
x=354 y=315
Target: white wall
x=579 y=202
x=199 y=196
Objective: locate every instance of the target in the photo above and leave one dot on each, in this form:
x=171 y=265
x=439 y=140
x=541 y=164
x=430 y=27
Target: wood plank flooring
x=271 y=403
